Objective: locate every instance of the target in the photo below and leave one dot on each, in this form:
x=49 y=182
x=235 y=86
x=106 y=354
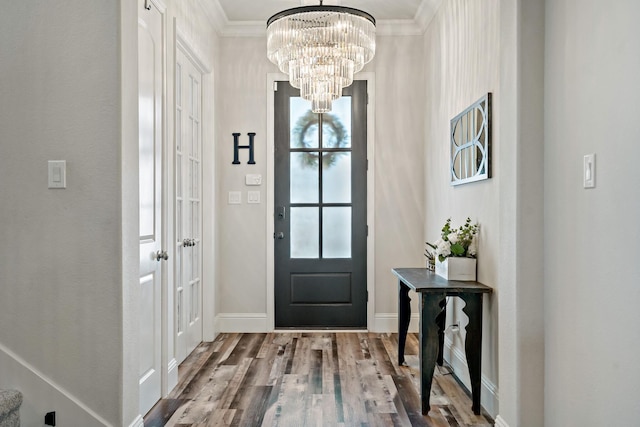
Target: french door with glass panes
x=188 y=206
x=320 y=216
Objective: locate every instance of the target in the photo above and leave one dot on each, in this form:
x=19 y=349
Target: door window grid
x=309 y=205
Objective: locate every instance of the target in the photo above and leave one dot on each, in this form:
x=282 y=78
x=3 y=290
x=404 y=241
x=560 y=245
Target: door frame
x=369 y=77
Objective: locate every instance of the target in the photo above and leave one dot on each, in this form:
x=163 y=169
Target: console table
x=433 y=291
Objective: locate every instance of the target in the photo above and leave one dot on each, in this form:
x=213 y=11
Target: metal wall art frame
x=471 y=143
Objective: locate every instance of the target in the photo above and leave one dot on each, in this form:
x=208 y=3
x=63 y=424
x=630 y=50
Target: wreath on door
x=337 y=138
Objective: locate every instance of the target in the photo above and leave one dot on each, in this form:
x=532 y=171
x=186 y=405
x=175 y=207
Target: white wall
x=61 y=253
x=68 y=294
x=592 y=274
x=462 y=49
x=399 y=182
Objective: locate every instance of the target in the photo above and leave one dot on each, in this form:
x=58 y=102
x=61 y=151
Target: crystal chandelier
x=320 y=48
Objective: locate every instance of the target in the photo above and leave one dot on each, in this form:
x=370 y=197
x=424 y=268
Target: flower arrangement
x=455 y=242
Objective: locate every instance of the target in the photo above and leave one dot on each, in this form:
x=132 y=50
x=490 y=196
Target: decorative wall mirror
x=471 y=143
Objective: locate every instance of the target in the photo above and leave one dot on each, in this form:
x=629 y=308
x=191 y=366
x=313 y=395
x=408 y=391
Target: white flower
x=453 y=238
x=443 y=248
x=473 y=247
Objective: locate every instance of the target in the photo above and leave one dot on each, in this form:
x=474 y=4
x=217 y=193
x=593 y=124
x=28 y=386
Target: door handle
x=281 y=212
x=161 y=255
x=279 y=235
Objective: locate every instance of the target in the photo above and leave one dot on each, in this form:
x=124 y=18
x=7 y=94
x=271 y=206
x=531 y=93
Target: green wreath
x=338 y=139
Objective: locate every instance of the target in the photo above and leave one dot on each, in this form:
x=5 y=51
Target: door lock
x=279 y=235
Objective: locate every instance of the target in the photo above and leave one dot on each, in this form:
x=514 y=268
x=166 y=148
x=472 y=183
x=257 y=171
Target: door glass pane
x=195 y=220
x=179 y=277
x=178 y=175
x=336 y=232
x=336 y=125
x=305 y=223
x=178 y=130
x=336 y=177
x=179 y=220
x=304 y=177
x=303 y=123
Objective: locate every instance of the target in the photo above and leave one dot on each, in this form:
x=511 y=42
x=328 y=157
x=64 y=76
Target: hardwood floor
x=309 y=379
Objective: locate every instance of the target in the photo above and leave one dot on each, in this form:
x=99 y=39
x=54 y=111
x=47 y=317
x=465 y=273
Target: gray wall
x=61 y=253
x=592 y=274
x=399 y=179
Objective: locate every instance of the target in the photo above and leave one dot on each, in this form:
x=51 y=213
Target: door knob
x=279 y=235
x=162 y=255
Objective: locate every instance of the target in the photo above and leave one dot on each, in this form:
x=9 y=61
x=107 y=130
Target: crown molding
x=425 y=13
x=214 y=12
x=384 y=27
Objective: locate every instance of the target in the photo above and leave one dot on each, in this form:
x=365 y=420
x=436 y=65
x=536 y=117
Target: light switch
x=589 y=171
x=253 y=197
x=253 y=179
x=235 y=197
x=57 y=174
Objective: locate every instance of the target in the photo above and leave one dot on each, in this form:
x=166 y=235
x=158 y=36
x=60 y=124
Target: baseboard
x=500 y=422
x=138 y=422
x=458 y=361
x=258 y=322
x=388 y=323
x=41 y=395
x=242 y=322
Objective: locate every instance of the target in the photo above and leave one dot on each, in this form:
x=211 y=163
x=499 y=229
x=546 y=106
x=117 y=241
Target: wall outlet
x=50 y=419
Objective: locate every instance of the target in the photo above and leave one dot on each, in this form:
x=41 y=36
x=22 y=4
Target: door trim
x=369 y=77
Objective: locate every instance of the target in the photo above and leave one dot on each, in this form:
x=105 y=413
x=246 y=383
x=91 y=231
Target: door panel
x=188 y=205
x=150 y=104
x=320 y=218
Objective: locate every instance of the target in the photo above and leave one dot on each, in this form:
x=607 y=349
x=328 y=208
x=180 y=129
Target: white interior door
x=152 y=256
x=188 y=206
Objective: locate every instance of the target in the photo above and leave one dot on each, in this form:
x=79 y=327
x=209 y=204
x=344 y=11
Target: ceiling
x=249 y=17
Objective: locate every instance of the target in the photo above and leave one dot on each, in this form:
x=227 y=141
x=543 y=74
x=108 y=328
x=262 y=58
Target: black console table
x=433 y=291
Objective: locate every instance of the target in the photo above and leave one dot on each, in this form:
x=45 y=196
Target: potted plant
x=455 y=251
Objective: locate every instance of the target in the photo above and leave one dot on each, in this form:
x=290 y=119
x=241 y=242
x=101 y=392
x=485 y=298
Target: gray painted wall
x=592 y=274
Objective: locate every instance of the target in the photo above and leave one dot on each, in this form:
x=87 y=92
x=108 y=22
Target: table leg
x=429 y=343
x=440 y=321
x=404 y=317
x=473 y=345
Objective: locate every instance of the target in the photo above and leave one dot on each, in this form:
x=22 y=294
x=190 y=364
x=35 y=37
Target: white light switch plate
x=57 y=174
x=589 y=171
x=235 y=197
x=253 y=197
x=253 y=179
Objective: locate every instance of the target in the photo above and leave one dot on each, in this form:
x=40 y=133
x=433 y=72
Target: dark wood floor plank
x=309 y=379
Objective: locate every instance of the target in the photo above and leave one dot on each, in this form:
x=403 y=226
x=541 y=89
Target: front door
x=188 y=206
x=152 y=256
x=320 y=211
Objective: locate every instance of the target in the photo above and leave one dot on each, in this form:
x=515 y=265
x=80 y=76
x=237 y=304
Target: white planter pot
x=457 y=268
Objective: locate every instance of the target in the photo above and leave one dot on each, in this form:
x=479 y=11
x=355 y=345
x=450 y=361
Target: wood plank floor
x=309 y=379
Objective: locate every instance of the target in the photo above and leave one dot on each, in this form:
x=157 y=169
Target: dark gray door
x=320 y=211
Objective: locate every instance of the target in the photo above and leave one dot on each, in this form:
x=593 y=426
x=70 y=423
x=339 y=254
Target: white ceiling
x=249 y=17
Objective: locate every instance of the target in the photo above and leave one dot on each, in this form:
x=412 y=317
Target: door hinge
x=367 y=296
x=367 y=98
x=367 y=164
x=275 y=86
x=367 y=231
